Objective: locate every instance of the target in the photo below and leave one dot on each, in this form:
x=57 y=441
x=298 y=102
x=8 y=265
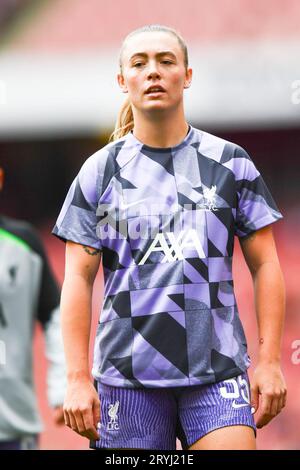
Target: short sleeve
x=256 y=207
x=77 y=220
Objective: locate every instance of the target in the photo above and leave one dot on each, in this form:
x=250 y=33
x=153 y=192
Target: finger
x=282 y=402
x=59 y=416
x=275 y=406
x=284 y=397
x=73 y=423
x=96 y=412
x=79 y=422
x=254 y=399
x=267 y=399
x=67 y=419
x=90 y=428
x=265 y=417
x=277 y=402
x=263 y=420
x=92 y=434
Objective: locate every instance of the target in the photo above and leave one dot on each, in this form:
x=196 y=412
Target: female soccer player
x=162 y=203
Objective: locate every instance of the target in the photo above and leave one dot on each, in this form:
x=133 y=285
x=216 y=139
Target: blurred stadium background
x=59 y=99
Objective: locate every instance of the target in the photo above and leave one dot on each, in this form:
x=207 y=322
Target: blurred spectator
x=28 y=293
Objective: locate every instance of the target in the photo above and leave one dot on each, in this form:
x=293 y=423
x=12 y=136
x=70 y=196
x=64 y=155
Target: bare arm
x=261 y=256
x=81 y=407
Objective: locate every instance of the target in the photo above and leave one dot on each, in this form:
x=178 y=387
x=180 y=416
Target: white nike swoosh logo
x=125 y=206
x=239 y=405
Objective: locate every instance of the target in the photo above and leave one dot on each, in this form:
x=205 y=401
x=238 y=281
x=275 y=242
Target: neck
x=160 y=130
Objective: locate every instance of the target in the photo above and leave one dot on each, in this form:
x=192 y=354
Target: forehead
x=151 y=43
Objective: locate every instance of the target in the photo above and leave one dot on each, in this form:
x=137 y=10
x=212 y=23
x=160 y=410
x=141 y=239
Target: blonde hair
x=124 y=122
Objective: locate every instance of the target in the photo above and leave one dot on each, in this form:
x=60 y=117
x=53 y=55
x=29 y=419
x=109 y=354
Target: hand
x=268 y=381
x=59 y=416
x=82 y=408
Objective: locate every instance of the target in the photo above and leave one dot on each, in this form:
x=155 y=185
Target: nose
x=153 y=69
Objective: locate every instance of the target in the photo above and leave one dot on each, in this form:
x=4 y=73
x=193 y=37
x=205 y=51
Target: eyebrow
x=158 y=54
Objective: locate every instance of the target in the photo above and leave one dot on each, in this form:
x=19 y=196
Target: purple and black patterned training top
x=165 y=220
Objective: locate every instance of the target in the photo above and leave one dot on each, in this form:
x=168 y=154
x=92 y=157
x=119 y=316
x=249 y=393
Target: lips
x=155 y=88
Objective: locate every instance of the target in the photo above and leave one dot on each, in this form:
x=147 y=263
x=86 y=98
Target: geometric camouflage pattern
x=165 y=221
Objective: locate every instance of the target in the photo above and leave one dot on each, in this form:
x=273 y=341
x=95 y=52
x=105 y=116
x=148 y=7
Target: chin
x=156 y=105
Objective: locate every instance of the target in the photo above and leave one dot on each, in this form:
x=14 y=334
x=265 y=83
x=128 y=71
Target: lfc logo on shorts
x=112 y=413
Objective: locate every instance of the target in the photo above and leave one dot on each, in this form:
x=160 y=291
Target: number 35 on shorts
x=237 y=389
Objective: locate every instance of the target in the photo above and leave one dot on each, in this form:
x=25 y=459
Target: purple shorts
x=152 y=418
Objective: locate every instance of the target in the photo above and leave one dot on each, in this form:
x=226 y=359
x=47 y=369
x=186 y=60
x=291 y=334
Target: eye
x=167 y=61
x=137 y=64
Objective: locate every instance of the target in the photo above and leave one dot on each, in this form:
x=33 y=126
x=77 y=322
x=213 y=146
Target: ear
x=188 y=78
x=121 y=83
